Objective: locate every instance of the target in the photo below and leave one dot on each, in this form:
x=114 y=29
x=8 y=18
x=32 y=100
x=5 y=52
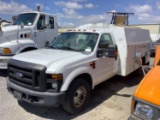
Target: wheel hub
x=80 y=96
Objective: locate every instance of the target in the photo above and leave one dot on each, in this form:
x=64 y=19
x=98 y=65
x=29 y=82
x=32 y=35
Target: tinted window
x=105 y=40
x=51 y=22
x=26 y=19
x=41 y=22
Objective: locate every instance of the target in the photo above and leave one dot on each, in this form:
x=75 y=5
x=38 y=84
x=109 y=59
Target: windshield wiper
x=51 y=47
x=67 y=48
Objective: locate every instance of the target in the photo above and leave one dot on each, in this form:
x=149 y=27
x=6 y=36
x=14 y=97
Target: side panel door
x=38 y=34
x=51 y=31
x=105 y=67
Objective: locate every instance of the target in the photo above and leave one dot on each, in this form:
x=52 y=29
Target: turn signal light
x=57 y=76
x=132 y=105
x=6 y=50
x=116 y=53
x=28 y=35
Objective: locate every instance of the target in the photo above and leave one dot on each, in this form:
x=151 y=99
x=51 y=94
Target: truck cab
x=30 y=31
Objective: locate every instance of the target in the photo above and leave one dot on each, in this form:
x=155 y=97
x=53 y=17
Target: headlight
x=144 y=110
x=54 y=82
x=5 y=51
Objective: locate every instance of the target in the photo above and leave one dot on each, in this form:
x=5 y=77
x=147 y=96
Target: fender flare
x=74 y=74
x=26 y=47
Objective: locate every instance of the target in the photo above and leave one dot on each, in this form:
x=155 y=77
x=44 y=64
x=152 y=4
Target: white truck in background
x=30 y=31
x=74 y=63
x=4 y=22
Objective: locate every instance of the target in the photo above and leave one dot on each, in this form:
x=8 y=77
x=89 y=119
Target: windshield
x=76 y=41
x=26 y=19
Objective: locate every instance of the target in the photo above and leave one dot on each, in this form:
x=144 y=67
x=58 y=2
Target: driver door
x=106 y=67
x=39 y=32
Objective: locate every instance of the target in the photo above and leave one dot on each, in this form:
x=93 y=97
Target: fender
x=12 y=45
x=75 y=73
x=24 y=44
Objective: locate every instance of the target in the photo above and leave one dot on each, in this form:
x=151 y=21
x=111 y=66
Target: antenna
x=120 y=18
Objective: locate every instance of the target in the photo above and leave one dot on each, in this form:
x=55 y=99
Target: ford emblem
x=20 y=75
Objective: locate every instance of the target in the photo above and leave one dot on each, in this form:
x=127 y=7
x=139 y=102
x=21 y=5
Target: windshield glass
x=26 y=19
x=76 y=41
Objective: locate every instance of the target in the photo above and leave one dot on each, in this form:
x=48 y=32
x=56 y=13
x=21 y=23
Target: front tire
x=77 y=96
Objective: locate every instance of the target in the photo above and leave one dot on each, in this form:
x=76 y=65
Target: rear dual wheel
x=77 y=96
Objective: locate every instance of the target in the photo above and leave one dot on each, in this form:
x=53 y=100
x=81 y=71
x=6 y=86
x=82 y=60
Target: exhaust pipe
x=38 y=8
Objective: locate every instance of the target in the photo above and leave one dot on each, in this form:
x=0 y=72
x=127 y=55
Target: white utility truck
x=30 y=31
x=74 y=63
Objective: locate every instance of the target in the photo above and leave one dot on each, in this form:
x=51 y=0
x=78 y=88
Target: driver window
x=105 y=41
x=41 y=22
x=51 y=22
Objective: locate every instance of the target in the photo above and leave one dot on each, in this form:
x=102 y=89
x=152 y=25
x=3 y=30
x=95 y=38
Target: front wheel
x=77 y=96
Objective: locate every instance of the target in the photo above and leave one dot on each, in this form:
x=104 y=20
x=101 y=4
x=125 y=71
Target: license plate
x=17 y=95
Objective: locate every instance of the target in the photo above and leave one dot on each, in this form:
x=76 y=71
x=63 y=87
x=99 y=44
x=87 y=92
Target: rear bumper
x=34 y=97
x=4 y=61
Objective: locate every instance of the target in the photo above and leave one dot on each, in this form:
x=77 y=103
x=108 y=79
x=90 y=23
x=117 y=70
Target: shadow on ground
x=101 y=93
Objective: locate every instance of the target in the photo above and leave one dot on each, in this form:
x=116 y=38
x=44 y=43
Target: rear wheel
x=77 y=96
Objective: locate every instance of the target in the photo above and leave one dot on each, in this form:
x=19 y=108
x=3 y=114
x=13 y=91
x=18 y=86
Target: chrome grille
x=28 y=75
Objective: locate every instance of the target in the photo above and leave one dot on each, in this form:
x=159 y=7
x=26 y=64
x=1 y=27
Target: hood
x=149 y=88
x=9 y=33
x=49 y=57
x=12 y=28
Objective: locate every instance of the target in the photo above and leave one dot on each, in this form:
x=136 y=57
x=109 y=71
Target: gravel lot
x=110 y=100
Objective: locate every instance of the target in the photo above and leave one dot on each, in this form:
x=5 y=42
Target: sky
x=72 y=13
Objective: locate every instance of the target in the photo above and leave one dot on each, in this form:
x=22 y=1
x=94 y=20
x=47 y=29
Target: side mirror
x=48 y=26
x=112 y=51
x=46 y=43
x=22 y=25
x=100 y=53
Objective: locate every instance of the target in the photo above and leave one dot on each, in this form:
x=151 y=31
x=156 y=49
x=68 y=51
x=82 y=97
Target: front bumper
x=4 y=61
x=36 y=98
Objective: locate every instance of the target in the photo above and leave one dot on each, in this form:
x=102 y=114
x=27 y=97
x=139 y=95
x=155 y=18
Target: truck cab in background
x=30 y=31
